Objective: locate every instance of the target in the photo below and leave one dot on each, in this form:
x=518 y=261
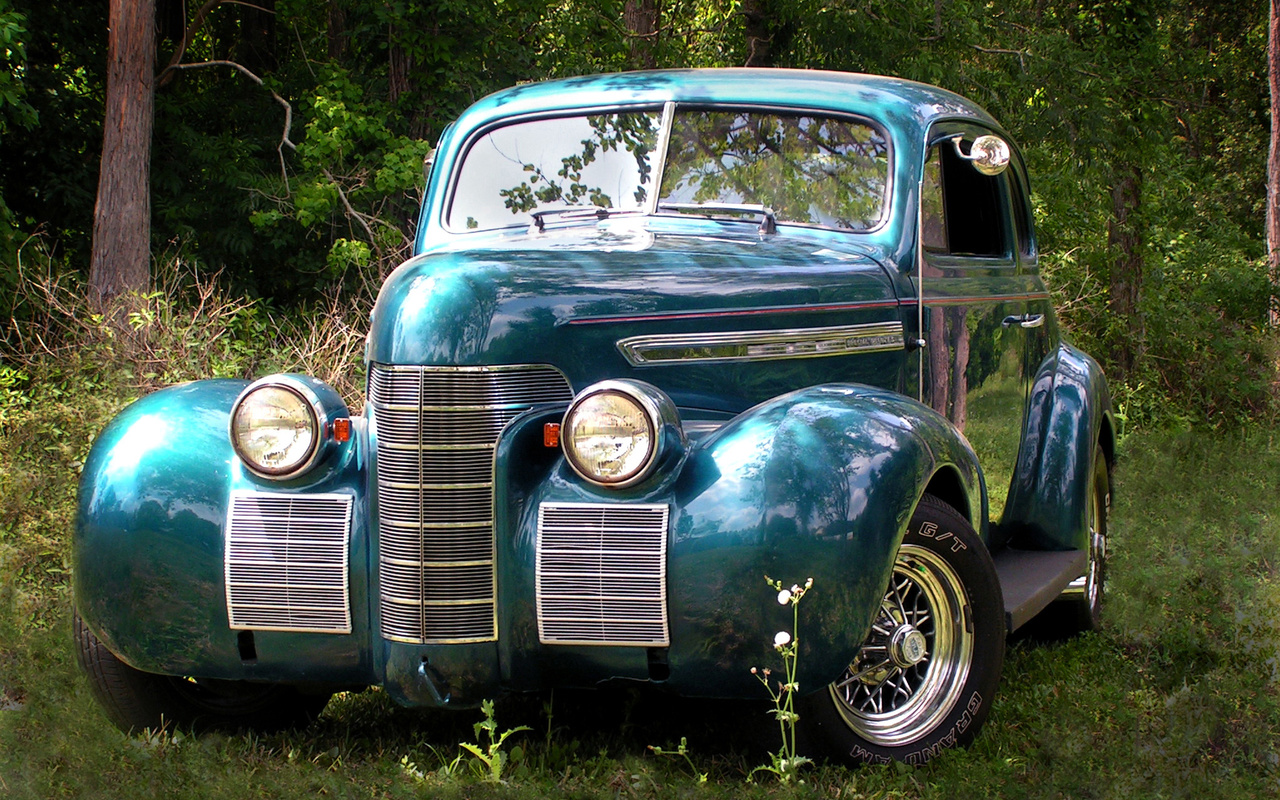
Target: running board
x=1032 y=579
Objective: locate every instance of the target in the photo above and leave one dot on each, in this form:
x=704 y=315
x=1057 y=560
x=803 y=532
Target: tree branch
x=342 y=195
x=285 y=141
x=189 y=35
x=1021 y=54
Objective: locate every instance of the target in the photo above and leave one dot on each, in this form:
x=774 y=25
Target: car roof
x=892 y=101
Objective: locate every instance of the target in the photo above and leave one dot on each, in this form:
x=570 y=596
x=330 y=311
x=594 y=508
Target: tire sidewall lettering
x=948 y=740
x=931 y=530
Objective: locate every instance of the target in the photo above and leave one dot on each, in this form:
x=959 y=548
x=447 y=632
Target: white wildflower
x=781 y=639
x=784 y=597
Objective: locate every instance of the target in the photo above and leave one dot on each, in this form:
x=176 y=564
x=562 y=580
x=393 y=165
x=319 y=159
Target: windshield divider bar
x=664 y=140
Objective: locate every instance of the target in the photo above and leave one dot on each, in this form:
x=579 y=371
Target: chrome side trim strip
x=679 y=348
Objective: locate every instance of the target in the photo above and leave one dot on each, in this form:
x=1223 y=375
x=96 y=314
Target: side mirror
x=988 y=154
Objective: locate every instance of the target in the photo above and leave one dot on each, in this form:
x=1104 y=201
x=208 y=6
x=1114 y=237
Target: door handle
x=1023 y=320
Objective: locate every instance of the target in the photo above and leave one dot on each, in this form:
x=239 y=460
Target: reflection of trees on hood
x=812 y=170
x=635 y=133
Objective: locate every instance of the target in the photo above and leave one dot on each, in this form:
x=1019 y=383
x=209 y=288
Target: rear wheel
x=134 y=700
x=1084 y=594
x=926 y=674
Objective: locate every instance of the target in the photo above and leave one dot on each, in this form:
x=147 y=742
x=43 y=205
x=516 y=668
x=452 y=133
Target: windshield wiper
x=572 y=214
x=768 y=220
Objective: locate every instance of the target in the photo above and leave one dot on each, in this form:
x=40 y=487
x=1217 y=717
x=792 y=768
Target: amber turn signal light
x=551 y=434
x=342 y=430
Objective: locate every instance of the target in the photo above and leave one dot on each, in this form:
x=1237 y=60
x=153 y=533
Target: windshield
x=809 y=169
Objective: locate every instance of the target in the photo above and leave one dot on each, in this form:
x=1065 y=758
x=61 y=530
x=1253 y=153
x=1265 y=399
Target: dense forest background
x=288 y=140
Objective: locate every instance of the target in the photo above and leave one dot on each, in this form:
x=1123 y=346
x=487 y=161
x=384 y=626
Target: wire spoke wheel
x=1084 y=595
x=911 y=670
x=926 y=672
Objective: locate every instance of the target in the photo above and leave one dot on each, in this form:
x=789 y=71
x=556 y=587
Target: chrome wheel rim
x=1097 y=548
x=911 y=669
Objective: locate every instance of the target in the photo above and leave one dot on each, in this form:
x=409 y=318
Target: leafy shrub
x=68 y=368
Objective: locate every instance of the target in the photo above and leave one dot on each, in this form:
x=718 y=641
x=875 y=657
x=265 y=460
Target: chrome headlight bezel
x=316 y=419
x=661 y=428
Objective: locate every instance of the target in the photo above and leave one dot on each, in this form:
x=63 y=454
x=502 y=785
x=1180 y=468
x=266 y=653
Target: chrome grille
x=285 y=562
x=602 y=574
x=436 y=429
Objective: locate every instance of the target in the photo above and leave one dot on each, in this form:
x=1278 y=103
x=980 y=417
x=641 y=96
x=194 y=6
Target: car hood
x=567 y=298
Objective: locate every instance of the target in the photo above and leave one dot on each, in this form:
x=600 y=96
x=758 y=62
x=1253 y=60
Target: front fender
x=1069 y=413
x=818 y=483
x=148 y=548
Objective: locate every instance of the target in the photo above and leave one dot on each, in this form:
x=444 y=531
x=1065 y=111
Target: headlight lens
x=608 y=437
x=274 y=430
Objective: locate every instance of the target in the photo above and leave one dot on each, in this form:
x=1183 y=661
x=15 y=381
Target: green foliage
x=1172 y=92
x=681 y=751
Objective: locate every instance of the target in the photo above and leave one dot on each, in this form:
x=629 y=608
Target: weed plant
x=785 y=763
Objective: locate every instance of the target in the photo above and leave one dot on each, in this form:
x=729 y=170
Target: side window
x=963 y=212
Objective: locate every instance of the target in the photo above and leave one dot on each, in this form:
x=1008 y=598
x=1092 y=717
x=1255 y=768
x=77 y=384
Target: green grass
x=1177 y=697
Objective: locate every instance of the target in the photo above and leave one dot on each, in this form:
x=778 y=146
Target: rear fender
x=1069 y=413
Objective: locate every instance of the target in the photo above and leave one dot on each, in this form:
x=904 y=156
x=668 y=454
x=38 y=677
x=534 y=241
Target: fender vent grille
x=286 y=562
x=436 y=429
x=602 y=574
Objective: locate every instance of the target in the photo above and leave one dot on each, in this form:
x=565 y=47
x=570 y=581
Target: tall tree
x=121 y=260
x=1273 y=158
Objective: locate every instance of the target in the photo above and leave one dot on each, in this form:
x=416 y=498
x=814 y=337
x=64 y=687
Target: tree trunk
x=336 y=32
x=939 y=362
x=121 y=260
x=1273 y=158
x=641 y=20
x=767 y=34
x=1125 y=240
x=959 y=368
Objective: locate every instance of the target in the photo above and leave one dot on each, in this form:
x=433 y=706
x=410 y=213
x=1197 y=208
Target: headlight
x=275 y=427
x=613 y=431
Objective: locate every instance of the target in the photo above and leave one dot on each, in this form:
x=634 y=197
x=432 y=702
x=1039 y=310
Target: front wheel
x=134 y=700
x=925 y=676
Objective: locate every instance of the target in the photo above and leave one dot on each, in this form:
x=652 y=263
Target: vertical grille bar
x=436 y=428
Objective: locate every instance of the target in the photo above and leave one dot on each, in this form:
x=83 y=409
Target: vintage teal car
x=663 y=334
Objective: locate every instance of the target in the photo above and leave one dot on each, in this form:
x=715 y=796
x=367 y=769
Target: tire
x=925 y=677
x=1084 y=595
x=134 y=700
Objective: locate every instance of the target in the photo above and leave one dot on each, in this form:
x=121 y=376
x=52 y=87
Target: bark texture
x=641 y=20
x=1125 y=240
x=1273 y=158
x=121 y=260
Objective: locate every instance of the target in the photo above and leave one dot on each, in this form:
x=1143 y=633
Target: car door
x=985 y=312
